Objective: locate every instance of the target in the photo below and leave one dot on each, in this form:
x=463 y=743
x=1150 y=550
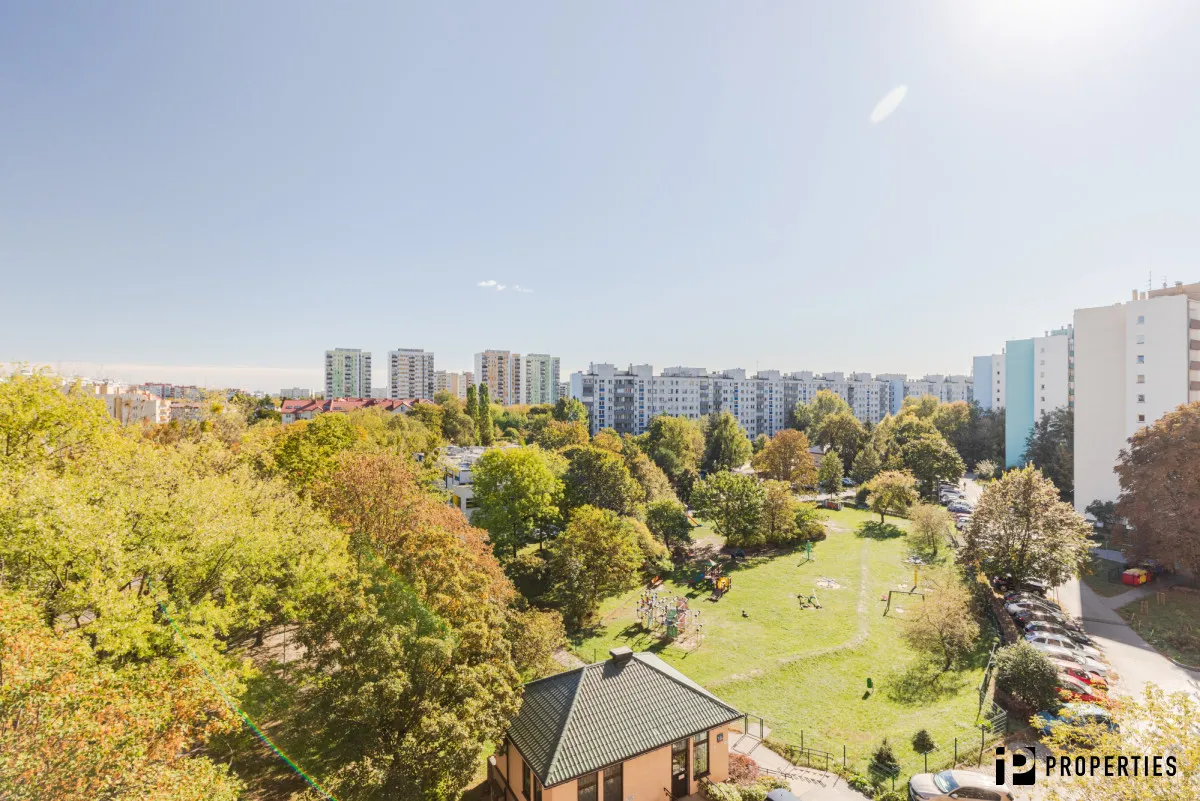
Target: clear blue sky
x=211 y=184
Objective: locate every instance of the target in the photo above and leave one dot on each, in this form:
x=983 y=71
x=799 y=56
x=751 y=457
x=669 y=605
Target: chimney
x=621 y=655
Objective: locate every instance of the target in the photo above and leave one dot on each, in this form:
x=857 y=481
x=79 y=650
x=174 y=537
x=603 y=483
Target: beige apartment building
x=500 y=371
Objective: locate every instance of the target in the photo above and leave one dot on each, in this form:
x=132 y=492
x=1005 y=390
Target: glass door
x=679 y=769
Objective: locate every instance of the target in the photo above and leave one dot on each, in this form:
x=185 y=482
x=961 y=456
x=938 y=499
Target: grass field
x=1098 y=578
x=805 y=671
x=1173 y=628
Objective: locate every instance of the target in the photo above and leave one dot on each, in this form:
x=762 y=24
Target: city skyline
x=806 y=187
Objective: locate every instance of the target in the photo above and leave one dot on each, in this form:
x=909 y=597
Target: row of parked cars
x=956 y=503
x=1082 y=667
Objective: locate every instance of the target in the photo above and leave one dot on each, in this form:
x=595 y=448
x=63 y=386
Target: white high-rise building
x=454 y=383
x=500 y=372
x=540 y=375
x=410 y=374
x=1134 y=362
x=1038 y=374
x=987 y=374
x=347 y=373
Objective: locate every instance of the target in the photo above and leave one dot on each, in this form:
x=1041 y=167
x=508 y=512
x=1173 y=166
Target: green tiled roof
x=581 y=720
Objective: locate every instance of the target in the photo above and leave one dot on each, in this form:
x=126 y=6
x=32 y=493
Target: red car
x=1080 y=675
x=1073 y=690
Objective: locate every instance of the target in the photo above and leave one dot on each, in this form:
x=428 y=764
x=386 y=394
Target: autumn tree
x=891 y=492
x=596 y=477
x=596 y=556
x=517 y=495
x=785 y=457
x=1021 y=529
x=306 y=452
x=842 y=432
x=985 y=469
x=676 y=444
x=557 y=435
x=1050 y=447
x=829 y=474
x=653 y=481
x=725 y=444
x=808 y=416
x=779 y=512
x=1159 y=474
x=931 y=527
x=734 y=504
x=943 y=626
x=535 y=635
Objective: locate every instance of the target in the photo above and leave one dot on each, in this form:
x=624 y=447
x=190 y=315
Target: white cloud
x=520 y=288
x=890 y=102
x=211 y=375
x=491 y=284
x=486 y=283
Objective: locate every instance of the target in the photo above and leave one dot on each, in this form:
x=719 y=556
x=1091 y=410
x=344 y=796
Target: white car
x=957 y=784
x=1079 y=658
x=1032 y=605
x=1062 y=629
x=1063 y=641
x=960 y=506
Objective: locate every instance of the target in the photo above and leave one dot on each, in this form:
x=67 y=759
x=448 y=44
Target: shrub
x=860 y=784
x=922 y=742
x=891 y=795
x=1027 y=675
x=720 y=792
x=742 y=769
x=884 y=758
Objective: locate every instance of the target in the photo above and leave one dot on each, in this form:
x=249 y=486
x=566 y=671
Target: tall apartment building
x=454 y=383
x=946 y=388
x=500 y=372
x=987 y=374
x=895 y=390
x=347 y=373
x=540 y=374
x=1134 y=362
x=1038 y=378
x=627 y=400
x=171 y=391
x=410 y=374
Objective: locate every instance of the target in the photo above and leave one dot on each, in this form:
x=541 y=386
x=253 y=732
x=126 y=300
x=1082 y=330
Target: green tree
x=676 y=445
x=931 y=527
x=653 y=481
x=458 y=426
x=483 y=420
x=307 y=450
x=759 y=443
x=557 y=435
x=596 y=477
x=734 y=504
x=41 y=424
x=808 y=522
x=609 y=440
x=1021 y=529
x=985 y=469
x=779 y=513
x=931 y=459
x=952 y=420
x=866 y=465
x=667 y=519
x=1050 y=447
x=725 y=444
x=596 y=556
x=517 y=497
x=1104 y=512
x=808 y=416
x=829 y=474
x=943 y=627
x=1028 y=675
x=842 y=432
x=472 y=409
x=570 y=410
x=891 y=492
x=785 y=457
x=536 y=635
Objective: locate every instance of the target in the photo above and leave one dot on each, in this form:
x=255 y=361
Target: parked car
x=954 y=784
x=960 y=506
x=847 y=482
x=1076 y=672
x=1055 y=627
x=1032 y=605
x=1073 y=690
x=1065 y=641
x=1016 y=596
x=1074 y=715
x=1067 y=655
x=1030 y=614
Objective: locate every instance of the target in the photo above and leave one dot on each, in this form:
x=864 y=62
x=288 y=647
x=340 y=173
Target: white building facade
x=540 y=374
x=987 y=376
x=410 y=374
x=1134 y=362
x=500 y=371
x=295 y=393
x=347 y=373
x=454 y=383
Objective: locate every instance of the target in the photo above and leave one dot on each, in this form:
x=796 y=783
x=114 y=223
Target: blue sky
x=190 y=187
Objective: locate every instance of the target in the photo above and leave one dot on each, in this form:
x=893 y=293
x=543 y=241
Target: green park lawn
x=805 y=671
x=1172 y=628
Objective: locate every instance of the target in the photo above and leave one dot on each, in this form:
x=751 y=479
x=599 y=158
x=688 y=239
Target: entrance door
x=679 y=769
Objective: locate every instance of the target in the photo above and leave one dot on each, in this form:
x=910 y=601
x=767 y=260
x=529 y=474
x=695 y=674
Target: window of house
x=700 y=755
x=1141 y=359
x=526 y=774
x=1141 y=319
x=614 y=782
x=1141 y=418
x=537 y=789
x=1141 y=379
x=1141 y=398
x=587 y=787
x=1141 y=339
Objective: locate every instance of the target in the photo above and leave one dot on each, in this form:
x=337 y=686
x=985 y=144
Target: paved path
x=808 y=784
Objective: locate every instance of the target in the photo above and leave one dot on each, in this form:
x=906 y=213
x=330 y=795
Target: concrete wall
x=1051 y=376
x=1019 y=371
x=1099 y=401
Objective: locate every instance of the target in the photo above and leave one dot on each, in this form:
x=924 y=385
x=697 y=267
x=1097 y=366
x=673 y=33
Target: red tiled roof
x=299 y=406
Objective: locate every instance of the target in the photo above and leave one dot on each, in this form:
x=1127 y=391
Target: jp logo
x=1024 y=768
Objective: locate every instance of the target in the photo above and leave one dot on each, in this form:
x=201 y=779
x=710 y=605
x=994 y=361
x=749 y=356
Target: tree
x=472 y=409
x=1104 y=512
x=931 y=459
x=725 y=444
x=596 y=477
x=668 y=520
x=595 y=557
x=653 y=481
x=866 y=465
x=785 y=457
x=1021 y=529
x=1027 y=675
x=891 y=492
x=924 y=408
x=1171 y=734
x=72 y=726
x=985 y=469
x=943 y=627
x=483 y=419
x=952 y=421
x=931 y=526
x=676 y=445
x=557 y=435
x=808 y=522
x=41 y=424
x=759 y=443
x=734 y=503
x=808 y=416
x=779 y=513
x=1050 y=447
x=535 y=636
x=458 y=425
x=609 y=440
x=829 y=474
x=842 y=432
x=1159 y=474
x=570 y=410
x=517 y=496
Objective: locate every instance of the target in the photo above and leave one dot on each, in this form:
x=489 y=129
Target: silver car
x=1063 y=641
x=957 y=784
x=1067 y=655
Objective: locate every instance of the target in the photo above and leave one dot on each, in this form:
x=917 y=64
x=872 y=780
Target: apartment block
x=295 y=393
x=946 y=388
x=410 y=374
x=454 y=383
x=347 y=373
x=1134 y=362
x=1038 y=378
x=987 y=374
x=500 y=371
x=541 y=378
x=136 y=407
x=170 y=391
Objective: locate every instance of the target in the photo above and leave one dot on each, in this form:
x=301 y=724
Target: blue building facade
x=1018 y=399
x=983 y=381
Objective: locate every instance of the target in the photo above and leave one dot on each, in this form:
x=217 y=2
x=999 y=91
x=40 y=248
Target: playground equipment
x=721 y=586
x=670 y=616
x=809 y=601
x=888 y=608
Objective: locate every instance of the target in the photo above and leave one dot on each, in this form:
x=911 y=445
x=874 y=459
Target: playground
x=793 y=638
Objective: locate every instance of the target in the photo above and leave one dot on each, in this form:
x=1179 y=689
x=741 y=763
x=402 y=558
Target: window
x=1043 y=362
x=614 y=782
x=1141 y=359
x=587 y=787
x=1141 y=339
x=1141 y=319
x=537 y=789
x=526 y=773
x=1141 y=418
x=1141 y=379
x=700 y=755
x=1141 y=398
